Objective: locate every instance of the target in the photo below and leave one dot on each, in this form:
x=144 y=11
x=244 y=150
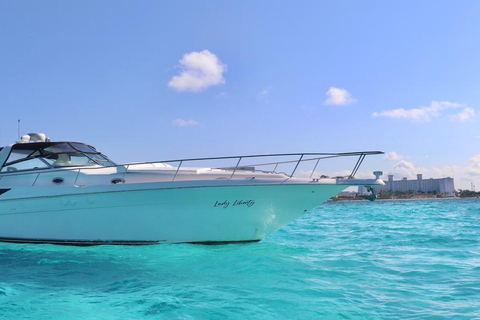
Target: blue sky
x=153 y=80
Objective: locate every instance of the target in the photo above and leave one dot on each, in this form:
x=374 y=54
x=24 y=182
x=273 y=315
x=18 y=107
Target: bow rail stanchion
x=76 y=177
x=38 y=175
x=357 y=166
x=236 y=167
x=178 y=168
x=124 y=172
x=298 y=162
x=314 y=168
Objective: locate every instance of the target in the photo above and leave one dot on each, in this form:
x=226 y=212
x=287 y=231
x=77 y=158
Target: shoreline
x=404 y=199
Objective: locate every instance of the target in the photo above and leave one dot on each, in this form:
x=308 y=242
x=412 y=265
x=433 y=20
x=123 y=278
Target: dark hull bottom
x=78 y=243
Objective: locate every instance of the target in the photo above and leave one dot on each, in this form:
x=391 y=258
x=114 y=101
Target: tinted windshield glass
x=36 y=156
x=30 y=164
x=101 y=159
x=58 y=148
x=24 y=160
x=83 y=147
x=19 y=154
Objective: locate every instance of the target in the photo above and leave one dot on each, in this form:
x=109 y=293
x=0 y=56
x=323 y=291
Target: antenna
x=18 y=129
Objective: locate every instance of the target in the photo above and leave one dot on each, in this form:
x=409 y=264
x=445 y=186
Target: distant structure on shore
x=439 y=186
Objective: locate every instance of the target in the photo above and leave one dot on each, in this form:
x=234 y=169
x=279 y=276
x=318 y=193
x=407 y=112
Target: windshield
x=53 y=155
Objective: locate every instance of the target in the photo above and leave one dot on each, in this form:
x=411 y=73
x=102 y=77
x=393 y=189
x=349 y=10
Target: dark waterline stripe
x=82 y=243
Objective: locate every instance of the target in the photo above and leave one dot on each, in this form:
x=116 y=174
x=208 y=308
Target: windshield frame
x=39 y=151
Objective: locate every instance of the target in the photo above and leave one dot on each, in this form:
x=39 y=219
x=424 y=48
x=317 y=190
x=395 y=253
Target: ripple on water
x=383 y=260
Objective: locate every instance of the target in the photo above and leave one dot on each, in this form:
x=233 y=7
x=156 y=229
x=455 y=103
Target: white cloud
x=436 y=109
x=222 y=95
x=406 y=169
x=338 y=97
x=184 y=123
x=474 y=167
x=393 y=156
x=465 y=115
x=463 y=175
x=200 y=70
x=446 y=171
x=264 y=93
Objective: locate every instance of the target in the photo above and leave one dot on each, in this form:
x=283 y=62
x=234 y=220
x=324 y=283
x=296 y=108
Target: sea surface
x=355 y=260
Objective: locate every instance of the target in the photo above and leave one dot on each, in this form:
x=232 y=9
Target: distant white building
x=443 y=185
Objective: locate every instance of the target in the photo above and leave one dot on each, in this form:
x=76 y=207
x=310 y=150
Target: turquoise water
x=382 y=260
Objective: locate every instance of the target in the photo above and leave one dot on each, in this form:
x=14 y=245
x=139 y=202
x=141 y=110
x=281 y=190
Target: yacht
x=69 y=193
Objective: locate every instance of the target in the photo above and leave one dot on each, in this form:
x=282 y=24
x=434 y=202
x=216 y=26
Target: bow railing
x=252 y=162
x=287 y=163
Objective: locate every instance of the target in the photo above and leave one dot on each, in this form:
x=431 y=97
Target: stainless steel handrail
x=341 y=154
x=302 y=157
x=176 y=172
x=236 y=167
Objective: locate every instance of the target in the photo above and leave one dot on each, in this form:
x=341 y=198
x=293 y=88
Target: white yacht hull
x=69 y=193
x=206 y=214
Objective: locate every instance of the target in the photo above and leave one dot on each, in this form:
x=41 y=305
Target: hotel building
x=443 y=185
